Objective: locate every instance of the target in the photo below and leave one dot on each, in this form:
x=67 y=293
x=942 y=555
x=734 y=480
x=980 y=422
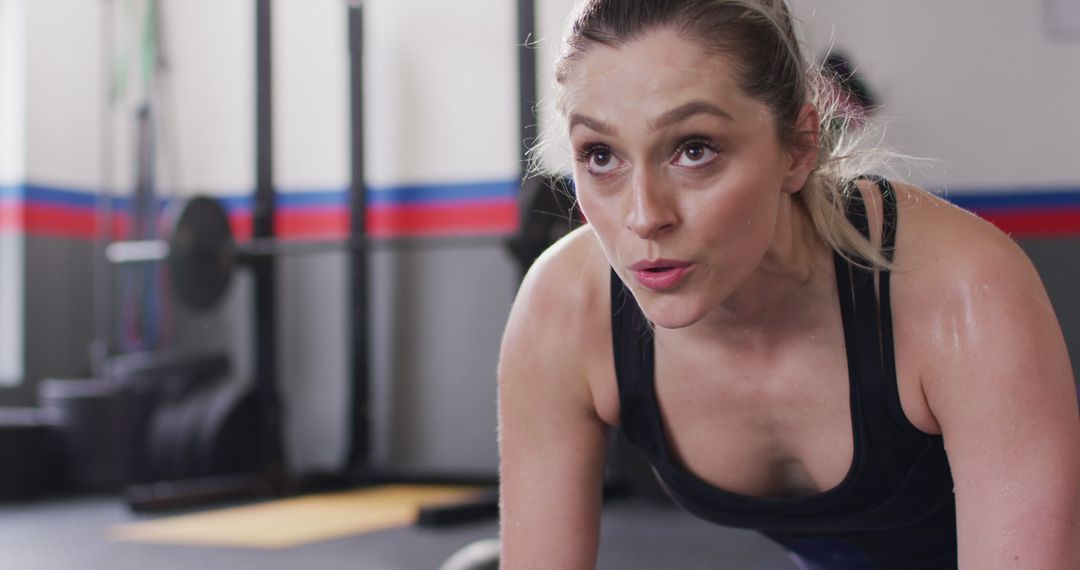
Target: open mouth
x=661 y=277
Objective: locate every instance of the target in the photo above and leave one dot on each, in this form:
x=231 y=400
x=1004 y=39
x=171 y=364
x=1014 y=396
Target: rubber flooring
x=73 y=533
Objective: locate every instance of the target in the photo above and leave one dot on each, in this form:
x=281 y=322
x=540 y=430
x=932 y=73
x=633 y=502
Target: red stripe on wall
x=423 y=221
x=312 y=223
x=71 y=222
x=11 y=217
x=67 y=222
x=400 y=221
x=1036 y=223
x=60 y=221
x=241 y=225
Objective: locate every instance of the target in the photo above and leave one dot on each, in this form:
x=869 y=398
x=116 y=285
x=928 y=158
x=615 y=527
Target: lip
x=660 y=274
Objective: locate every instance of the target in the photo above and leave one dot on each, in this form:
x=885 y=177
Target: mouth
x=660 y=274
x=658 y=265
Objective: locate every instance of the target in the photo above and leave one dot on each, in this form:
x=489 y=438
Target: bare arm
x=1002 y=391
x=551 y=441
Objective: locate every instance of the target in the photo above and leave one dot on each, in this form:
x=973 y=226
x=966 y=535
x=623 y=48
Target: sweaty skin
x=674 y=162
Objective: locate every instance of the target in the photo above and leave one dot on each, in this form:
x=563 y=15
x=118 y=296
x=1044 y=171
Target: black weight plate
x=164 y=439
x=202 y=253
x=174 y=434
x=225 y=424
x=199 y=405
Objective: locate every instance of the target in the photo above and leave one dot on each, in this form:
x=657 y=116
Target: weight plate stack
x=29 y=455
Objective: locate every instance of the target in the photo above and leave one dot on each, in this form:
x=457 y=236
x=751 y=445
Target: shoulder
x=995 y=373
x=560 y=318
x=948 y=249
x=933 y=233
x=951 y=262
x=565 y=285
x=969 y=304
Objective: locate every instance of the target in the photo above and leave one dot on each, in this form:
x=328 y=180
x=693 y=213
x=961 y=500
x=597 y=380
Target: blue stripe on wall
x=438 y=193
x=1003 y=199
x=1016 y=198
x=313 y=198
x=385 y=196
x=13 y=193
x=236 y=204
x=390 y=196
x=61 y=196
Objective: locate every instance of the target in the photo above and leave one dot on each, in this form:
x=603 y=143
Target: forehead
x=650 y=75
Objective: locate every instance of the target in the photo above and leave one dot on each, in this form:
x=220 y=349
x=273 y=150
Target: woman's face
x=678 y=171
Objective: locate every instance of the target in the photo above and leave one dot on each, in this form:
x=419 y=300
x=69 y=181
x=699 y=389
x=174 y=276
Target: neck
x=785 y=293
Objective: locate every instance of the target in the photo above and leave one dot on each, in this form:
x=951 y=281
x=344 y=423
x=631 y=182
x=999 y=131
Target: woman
x=824 y=359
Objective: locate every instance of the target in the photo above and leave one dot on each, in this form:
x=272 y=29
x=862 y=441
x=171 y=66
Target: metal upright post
x=358 y=260
x=263 y=268
x=526 y=22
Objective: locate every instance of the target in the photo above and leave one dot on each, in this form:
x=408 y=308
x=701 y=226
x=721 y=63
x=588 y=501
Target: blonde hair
x=760 y=36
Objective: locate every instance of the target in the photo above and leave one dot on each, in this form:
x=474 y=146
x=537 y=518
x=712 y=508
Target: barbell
x=202 y=254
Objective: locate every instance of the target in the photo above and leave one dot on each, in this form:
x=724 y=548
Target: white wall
x=207 y=101
x=552 y=18
x=981 y=86
x=12 y=91
x=311 y=90
x=203 y=99
x=64 y=84
x=443 y=97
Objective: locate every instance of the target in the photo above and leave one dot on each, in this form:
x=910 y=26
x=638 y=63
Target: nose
x=652 y=212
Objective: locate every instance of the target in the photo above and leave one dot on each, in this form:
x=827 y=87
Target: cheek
x=598 y=212
x=602 y=217
x=739 y=224
x=733 y=208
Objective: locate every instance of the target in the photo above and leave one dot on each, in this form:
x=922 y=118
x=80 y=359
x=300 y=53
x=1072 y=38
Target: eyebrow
x=678 y=114
x=594 y=124
x=683 y=112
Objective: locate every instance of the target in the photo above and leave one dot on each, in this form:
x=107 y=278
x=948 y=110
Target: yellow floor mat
x=293 y=522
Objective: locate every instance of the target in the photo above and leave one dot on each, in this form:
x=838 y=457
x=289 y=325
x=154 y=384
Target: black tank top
x=895 y=507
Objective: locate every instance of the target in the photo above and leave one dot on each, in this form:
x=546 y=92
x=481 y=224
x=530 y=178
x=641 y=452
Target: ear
x=805 y=152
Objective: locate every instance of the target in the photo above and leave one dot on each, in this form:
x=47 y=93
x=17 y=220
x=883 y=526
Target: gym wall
x=62 y=168
x=442 y=148
x=49 y=137
x=441 y=160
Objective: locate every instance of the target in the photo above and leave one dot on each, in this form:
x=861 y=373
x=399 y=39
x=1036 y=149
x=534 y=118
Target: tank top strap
x=888 y=215
x=874 y=309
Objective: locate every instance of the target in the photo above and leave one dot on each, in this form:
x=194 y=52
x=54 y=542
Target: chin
x=671 y=312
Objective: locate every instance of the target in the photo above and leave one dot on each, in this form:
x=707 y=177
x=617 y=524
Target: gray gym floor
x=66 y=534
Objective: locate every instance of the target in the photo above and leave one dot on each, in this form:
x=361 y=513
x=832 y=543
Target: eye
x=598 y=159
x=695 y=153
